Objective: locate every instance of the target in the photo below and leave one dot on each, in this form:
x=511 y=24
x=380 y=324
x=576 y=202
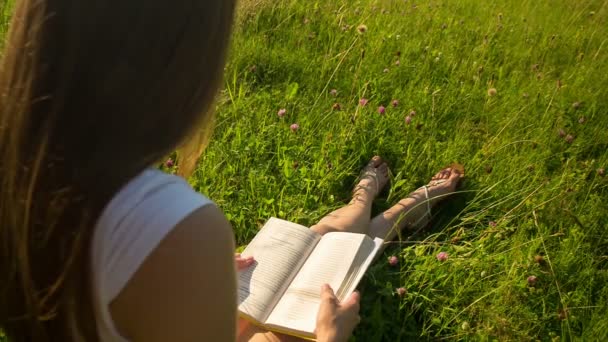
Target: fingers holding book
x=243 y=263
x=336 y=320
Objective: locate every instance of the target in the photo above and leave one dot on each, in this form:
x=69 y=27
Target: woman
x=95 y=245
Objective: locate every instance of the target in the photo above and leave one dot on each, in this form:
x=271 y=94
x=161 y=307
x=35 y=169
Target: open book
x=281 y=290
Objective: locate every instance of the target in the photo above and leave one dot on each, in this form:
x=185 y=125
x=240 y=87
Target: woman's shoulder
x=155 y=226
x=135 y=221
x=148 y=186
x=185 y=290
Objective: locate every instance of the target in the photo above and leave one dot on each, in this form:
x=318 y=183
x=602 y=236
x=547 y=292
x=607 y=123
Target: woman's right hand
x=336 y=321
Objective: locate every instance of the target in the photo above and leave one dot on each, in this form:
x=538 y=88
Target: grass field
x=514 y=90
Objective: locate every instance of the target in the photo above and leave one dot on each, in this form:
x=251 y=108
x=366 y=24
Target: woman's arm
x=186 y=289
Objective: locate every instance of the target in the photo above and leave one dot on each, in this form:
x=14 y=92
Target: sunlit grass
x=547 y=63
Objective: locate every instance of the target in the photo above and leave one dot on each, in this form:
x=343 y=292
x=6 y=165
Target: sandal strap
x=428 y=200
x=428 y=205
x=428 y=211
x=437 y=182
x=374 y=175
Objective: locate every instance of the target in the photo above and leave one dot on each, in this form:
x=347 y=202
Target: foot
x=372 y=180
x=413 y=211
x=442 y=184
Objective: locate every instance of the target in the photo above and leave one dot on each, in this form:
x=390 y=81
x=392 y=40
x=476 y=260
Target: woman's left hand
x=243 y=263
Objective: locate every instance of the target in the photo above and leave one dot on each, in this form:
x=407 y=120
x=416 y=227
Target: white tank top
x=130 y=227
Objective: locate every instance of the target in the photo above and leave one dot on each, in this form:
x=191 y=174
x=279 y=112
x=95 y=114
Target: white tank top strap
x=130 y=227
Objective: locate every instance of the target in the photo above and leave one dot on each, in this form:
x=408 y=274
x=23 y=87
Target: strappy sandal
x=370 y=172
x=416 y=225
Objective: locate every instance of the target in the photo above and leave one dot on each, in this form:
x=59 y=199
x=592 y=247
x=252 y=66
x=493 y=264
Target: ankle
x=414 y=198
x=365 y=192
x=414 y=209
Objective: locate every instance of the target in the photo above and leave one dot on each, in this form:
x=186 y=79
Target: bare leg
x=412 y=211
x=354 y=217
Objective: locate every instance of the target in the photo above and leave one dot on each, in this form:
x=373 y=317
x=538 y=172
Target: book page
x=331 y=262
x=279 y=249
x=362 y=261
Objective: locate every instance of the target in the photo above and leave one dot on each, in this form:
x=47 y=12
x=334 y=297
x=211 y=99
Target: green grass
x=544 y=193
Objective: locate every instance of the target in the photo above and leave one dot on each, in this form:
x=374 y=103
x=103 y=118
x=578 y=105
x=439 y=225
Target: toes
x=445 y=174
x=446 y=180
x=453 y=179
x=455 y=175
x=382 y=172
x=375 y=161
x=383 y=168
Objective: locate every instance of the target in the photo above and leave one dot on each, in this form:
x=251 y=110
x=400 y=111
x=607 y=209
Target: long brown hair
x=91 y=93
